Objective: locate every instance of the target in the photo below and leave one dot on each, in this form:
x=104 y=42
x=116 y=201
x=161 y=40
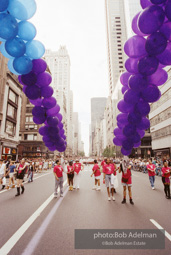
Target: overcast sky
x=80 y=25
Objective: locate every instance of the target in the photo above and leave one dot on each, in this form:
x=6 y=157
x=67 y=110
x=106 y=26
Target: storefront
x=9 y=153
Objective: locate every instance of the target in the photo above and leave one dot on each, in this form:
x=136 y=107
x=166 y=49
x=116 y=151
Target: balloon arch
x=149 y=51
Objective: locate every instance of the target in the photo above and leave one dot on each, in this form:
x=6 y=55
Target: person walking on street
x=58 y=172
x=126 y=182
x=20 y=176
x=166 y=171
x=70 y=174
x=2 y=172
x=151 y=172
x=97 y=174
x=78 y=167
x=12 y=170
x=30 y=171
x=108 y=170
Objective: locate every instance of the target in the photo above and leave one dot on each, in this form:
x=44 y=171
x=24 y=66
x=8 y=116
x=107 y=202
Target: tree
x=108 y=152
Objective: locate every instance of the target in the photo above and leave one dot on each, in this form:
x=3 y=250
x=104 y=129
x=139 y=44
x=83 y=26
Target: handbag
x=124 y=179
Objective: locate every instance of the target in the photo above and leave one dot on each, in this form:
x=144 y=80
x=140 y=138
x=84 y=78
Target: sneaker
x=153 y=188
x=61 y=195
x=109 y=199
x=113 y=198
x=98 y=189
x=94 y=187
x=55 y=195
x=13 y=186
x=7 y=187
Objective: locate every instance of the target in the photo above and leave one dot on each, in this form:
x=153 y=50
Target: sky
x=80 y=25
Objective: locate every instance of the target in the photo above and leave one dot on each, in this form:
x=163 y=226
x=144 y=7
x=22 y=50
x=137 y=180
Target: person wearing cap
x=2 y=172
x=77 y=168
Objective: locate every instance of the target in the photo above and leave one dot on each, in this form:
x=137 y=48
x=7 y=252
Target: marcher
x=30 y=172
x=2 y=173
x=20 y=177
x=58 y=172
x=97 y=174
x=11 y=171
x=151 y=172
x=166 y=180
x=126 y=182
x=108 y=170
x=77 y=168
x=70 y=174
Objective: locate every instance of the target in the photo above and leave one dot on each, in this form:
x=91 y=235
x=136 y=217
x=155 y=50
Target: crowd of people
x=16 y=171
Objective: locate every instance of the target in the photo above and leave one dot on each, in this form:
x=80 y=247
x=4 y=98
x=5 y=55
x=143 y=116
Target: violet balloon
x=142 y=107
x=49 y=102
x=39 y=120
x=124 y=78
x=138 y=82
x=29 y=79
x=124 y=107
x=43 y=130
x=136 y=145
x=117 y=131
x=52 y=121
x=33 y=92
x=151 y=94
x=36 y=102
x=129 y=130
x=144 y=124
x=135 y=27
x=44 y=79
x=148 y=65
x=117 y=141
x=145 y=3
x=128 y=144
x=156 y=43
x=122 y=118
x=131 y=97
x=39 y=66
x=158 y=78
x=168 y=10
x=125 y=152
x=165 y=56
x=53 y=111
x=134 y=118
x=141 y=133
x=38 y=111
x=135 y=47
x=166 y=30
x=59 y=116
x=46 y=91
x=158 y=1
x=131 y=65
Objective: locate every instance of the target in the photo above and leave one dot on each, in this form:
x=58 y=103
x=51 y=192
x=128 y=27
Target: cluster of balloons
x=149 y=51
x=24 y=54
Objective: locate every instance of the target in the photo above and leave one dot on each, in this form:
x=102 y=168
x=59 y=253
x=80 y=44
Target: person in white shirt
x=2 y=172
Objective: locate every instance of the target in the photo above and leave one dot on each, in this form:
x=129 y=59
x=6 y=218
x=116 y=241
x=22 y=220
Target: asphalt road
x=36 y=223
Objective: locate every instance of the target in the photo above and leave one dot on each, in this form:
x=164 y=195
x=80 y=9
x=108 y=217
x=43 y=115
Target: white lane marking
x=135 y=175
x=29 y=250
x=160 y=227
x=24 y=183
x=6 y=248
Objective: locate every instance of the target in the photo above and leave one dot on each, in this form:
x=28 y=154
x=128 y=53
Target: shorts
x=97 y=177
x=108 y=180
x=20 y=176
x=127 y=185
x=70 y=176
x=1 y=176
x=11 y=175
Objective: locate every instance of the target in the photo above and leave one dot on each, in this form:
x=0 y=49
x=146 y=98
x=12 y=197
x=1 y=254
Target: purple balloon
x=124 y=89
x=59 y=116
x=128 y=144
x=135 y=27
x=49 y=144
x=134 y=118
x=46 y=138
x=158 y=1
x=33 y=92
x=131 y=65
x=156 y=43
x=61 y=132
x=53 y=111
x=141 y=133
x=36 y=102
x=168 y=10
x=125 y=152
x=39 y=65
x=44 y=79
x=29 y=79
x=117 y=141
x=124 y=78
x=151 y=19
x=52 y=121
x=165 y=56
x=151 y=94
x=145 y=3
x=60 y=125
x=138 y=82
x=136 y=138
x=131 y=97
x=122 y=118
x=124 y=107
x=158 y=78
x=46 y=91
x=143 y=108
x=148 y=65
x=24 y=89
x=166 y=30
x=135 y=47
x=144 y=124
x=61 y=149
x=39 y=120
x=49 y=102
x=53 y=131
x=117 y=131
x=38 y=111
x=43 y=130
x=136 y=145
x=129 y=130
x=53 y=148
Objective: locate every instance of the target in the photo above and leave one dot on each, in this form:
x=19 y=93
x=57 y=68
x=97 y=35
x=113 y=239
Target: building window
x=11 y=111
x=10 y=128
x=13 y=97
x=30 y=137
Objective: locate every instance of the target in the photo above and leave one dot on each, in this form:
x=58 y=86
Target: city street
x=36 y=223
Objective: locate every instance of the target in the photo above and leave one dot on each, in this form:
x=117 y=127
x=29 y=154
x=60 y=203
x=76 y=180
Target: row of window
x=161 y=133
x=161 y=117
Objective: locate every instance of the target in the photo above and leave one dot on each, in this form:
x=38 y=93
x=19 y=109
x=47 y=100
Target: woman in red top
x=97 y=174
x=78 y=167
x=126 y=182
x=70 y=173
x=151 y=172
x=165 y=179
x=20 y=177
x=58 y=173
x=108 y=170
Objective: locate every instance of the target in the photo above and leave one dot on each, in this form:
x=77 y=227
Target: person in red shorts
x=165 y=179
x=126 y=182
x=151 y=172
x=97 y=174
x=108 y=170
x=58 y=172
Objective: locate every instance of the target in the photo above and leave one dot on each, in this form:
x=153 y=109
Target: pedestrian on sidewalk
x=151 y=172
x=58 y=172
x=108 y=170
x=70 y=174
x=97 y=175
x=126 y=183
x=2 y=173
x=78 y=167
x=166 y=171
x=20 y=176
x=12 y=170
x=30 y=171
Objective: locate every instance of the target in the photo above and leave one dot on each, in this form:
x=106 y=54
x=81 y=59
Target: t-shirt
x=58 y=170
x=114 y=169
x=77 y=167
x=70 y=168
x=2 y=168
x=108 y=169
x=127 y=175
x=96 y=168
x=103 y=165
x=20 y=167
x=11 y=168
x=166 y=170
x=152 y=167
